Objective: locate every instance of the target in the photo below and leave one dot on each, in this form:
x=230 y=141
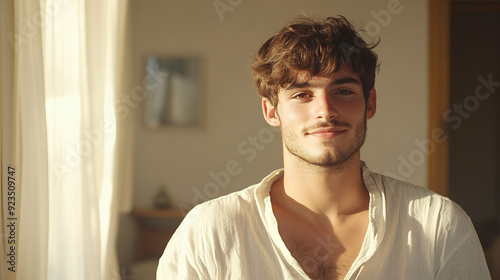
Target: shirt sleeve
x=178 y=260
x=461 y=255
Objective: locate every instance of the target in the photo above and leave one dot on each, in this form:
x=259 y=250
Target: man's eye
x=301 y=95
x=344 y=92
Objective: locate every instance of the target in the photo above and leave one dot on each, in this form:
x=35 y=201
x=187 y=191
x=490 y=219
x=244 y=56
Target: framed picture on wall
x=174 y=93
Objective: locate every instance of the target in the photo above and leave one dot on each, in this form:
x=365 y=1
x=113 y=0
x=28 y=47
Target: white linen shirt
x=412 y=233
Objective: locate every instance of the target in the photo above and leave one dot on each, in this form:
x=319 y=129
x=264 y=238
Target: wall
x=183 y=158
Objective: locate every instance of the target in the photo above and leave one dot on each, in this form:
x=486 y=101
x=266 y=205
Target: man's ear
x=270 y=113
x=371 y=104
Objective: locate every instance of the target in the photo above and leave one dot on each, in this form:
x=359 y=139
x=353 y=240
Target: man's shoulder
x=233 y=202
x=218 y=224
x=403 y=189
x=420 y=200
x=236 y=203
x=224 y=206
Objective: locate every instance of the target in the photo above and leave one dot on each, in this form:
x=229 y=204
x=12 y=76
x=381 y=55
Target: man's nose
x=326 y=107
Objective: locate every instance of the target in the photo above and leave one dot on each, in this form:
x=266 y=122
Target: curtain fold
x=29 y=81
x=121 y=200
x=124 y=130
x=24 y=148
x=62 y=135
x=7 y=117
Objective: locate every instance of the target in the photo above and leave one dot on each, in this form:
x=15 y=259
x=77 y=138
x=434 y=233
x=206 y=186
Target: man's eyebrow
x=347 y=80
x=336 y=82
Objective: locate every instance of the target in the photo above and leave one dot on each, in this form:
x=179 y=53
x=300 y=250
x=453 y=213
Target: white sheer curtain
x=24 y=147
x=63 y=136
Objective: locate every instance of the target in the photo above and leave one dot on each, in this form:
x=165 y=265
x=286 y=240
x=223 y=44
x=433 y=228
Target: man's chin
x=326 y=160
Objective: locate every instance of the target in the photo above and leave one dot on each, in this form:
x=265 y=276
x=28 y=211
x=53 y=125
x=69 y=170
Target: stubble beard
x=336 y=159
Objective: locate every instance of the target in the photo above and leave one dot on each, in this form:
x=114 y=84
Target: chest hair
x=322 y=258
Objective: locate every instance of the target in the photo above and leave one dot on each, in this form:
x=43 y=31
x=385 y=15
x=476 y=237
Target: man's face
x=323 y=119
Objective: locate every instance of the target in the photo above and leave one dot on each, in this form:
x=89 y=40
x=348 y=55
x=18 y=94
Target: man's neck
x=333 y=192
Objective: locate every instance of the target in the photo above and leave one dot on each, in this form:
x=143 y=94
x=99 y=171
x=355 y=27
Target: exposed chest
x=326 y=252
x=323 y=257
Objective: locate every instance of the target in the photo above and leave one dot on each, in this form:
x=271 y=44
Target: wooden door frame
x=439 y=81
x=439 y=92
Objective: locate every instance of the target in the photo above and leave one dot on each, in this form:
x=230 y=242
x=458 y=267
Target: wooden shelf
x=153 y=233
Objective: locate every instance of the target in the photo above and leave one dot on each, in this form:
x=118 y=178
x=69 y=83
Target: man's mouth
x=326 y=132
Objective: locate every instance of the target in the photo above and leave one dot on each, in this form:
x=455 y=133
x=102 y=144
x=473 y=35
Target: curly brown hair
x=318 y=47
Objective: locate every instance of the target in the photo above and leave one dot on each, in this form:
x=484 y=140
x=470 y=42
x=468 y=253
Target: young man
x=324 y=215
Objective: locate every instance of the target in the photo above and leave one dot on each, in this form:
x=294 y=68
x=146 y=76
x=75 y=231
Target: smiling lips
x=326 y=132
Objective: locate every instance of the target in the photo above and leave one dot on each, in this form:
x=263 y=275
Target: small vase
x=161 y=200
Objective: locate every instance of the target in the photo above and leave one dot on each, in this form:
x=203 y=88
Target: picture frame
x=174 y=91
